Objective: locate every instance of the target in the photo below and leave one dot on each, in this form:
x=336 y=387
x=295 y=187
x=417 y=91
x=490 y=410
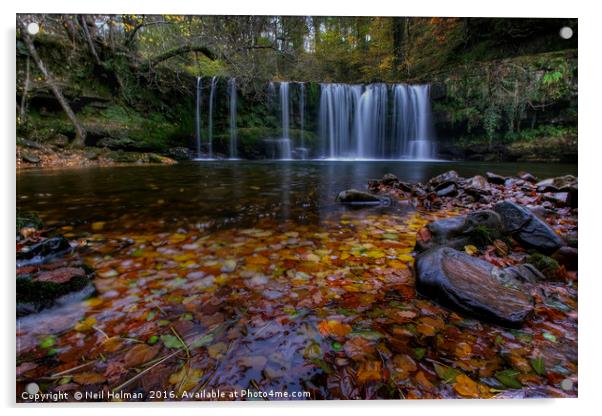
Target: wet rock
x=527 y=228
x=526 y=176
x=180 y=153
x=355 y=197
x=495 y=179
x=560 y=199
x=546 y=265
x=468 y=285
x=477 y=182
x=59 y=140
x=520 y=273
x=389 y=179
x=567 y=256
x=44 y=287
x=43 y=251
x=478 y=228
x=444 y=178
x=449 y=190
x=30 y=158
x=29 y=143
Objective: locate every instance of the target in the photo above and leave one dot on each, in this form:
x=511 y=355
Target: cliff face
x=522 y=108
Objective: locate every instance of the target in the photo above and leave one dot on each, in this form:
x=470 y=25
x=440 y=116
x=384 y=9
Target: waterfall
x=198 y=116
x=303 y=150
x=354 y=121
x=412 y=122
x=211 y=105
x=285 y=141
x=233 y=132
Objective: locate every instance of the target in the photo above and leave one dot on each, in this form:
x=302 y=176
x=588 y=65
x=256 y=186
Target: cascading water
x=354 y=121
x=339 y=121
x=412 y=122
x=302 y=150
x=284 y=143
x=233 y=132
x=210 y=124
x=198 y=116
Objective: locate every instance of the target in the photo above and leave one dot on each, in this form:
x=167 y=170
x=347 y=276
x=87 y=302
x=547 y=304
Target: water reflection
x=216 y=194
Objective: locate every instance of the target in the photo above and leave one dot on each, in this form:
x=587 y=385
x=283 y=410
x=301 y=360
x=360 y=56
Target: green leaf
x=447 y=374
x=549 y=336
x=337 y=346
x=508 y=378
x=171 y=341
x=201 y=341
x=48 y=342
x=153 y=340
x=419 y=353
x=538 y=365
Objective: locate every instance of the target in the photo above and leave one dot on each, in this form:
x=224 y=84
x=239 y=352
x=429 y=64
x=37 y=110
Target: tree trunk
x=84 y=25
x=80 y=132
x=24 y=96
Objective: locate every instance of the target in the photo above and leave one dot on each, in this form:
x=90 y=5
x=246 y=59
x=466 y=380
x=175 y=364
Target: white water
x=355 y=122
x=210 y=124
x=285 y=141
x=198 y=116
x=359 y=122
x=302 y=149
x=233 y=132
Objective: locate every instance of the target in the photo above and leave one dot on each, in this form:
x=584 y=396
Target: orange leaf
x=369 y=371
x=333 y=328
x=466 y=387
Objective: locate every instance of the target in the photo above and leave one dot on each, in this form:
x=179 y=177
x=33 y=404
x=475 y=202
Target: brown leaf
x=89 y=378
x=358 y=348
x=140 y=354
x=369 y=371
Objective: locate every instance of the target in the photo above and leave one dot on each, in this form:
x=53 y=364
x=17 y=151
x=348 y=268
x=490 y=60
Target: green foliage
x=547 y=265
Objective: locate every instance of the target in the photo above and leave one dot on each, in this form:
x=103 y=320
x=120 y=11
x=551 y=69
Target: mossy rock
x=547 y=265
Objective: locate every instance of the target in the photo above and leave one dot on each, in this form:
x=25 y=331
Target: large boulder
x=469 y=285
x=355 y=197
x=527 y=228
x=478 y=228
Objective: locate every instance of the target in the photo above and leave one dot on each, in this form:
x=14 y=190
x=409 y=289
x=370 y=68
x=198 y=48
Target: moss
x=547 y=265
x=481 y=236
x=44 y=293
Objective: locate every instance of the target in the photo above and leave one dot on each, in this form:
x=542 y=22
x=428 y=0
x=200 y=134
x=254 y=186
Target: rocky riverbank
x=507 y=241
x=32 y=154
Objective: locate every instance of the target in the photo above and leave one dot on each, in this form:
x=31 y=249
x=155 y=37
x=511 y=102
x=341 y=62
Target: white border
x=590 y=290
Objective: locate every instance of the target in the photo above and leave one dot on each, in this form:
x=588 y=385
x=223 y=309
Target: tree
x=80 y=132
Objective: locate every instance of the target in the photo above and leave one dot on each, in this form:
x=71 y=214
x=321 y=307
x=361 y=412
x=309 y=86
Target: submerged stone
x=43 y=251
x=355 y=197
x=468 y=285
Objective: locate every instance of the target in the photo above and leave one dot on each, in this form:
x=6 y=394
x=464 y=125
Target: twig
x=137 y=376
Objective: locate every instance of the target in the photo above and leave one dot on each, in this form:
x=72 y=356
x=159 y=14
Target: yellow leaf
x=369 y=371
x=334 y=328
x=98 y=225
x=466 y=387
x=186 y=379
x=471 y=250
x=85 y=325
